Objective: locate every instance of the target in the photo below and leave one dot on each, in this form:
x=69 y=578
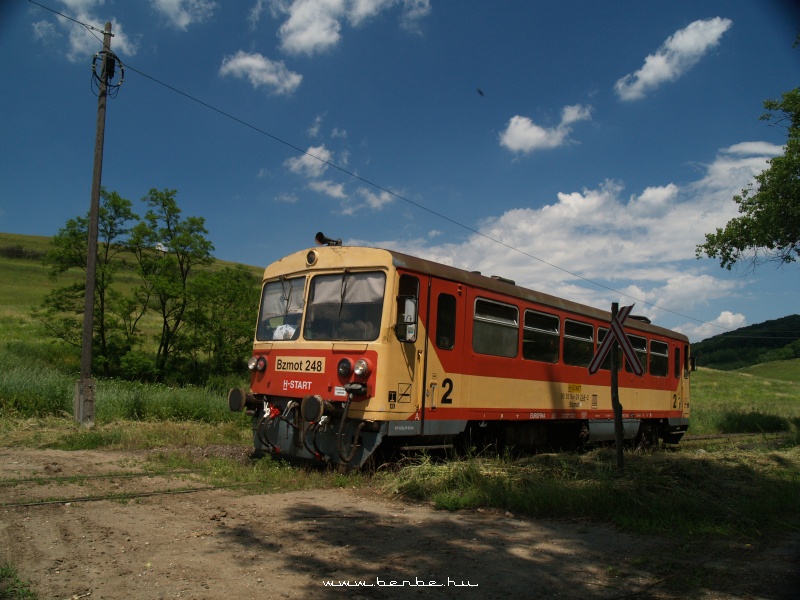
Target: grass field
x=728 y=487
x=781 y=370
x=740 y=402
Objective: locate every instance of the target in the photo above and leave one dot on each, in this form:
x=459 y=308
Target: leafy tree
x=62 y=309
x=220 y=319
x=167 y=247
x=769 y=228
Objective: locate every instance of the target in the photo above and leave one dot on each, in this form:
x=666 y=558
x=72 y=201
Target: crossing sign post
x=616 y=334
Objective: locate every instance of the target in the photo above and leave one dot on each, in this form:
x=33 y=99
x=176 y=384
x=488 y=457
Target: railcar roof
x=478 y=280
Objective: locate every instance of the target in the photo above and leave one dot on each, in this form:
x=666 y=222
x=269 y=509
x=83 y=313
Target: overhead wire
x=413 y=203
x=86 y=25
x=390 y=192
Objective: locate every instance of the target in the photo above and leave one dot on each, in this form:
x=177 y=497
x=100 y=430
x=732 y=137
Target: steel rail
x=126 y=495
x=70 y=478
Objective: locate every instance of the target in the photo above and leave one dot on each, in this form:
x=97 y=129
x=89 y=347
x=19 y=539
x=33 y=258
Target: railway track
x=118 y=496
x=196 y=486
x=74 y=478
x=732 y=436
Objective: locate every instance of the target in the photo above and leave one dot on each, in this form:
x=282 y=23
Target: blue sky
x=597 y=141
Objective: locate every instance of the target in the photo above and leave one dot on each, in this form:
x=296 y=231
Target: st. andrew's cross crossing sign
x=617 y=332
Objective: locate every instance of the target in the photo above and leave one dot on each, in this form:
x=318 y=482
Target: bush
x=138 y=366
x=35 y=392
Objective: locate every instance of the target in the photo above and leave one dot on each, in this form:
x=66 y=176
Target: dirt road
x=334 y=544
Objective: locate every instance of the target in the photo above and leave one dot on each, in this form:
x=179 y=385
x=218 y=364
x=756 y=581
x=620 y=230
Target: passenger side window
x=659 y=358
x=578 y=343
x=541 y=337
x=640 y=347
x=495 y=329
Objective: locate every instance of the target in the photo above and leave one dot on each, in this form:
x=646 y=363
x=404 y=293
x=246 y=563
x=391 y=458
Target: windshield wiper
x=286 y=296
x=344 y=290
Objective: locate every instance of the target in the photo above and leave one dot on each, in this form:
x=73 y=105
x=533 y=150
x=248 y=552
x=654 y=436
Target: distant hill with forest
x=769 y=341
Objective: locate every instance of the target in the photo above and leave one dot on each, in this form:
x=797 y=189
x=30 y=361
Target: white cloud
x=724 y=322
x=376 y=201
x=679 y=53
x=287 y=198
x=44 y=31
x=81 y=42
x=314 y=26
x=255 y=13
x=329 y=188
x=755 y=149
x=653 y=201
x=313 y=131
x=523 y=135
x=261 y=72
x=642 y=245
x=182 y=13
x=361 y=10
x=81 y=5
x=312 y=164
x=413 y=12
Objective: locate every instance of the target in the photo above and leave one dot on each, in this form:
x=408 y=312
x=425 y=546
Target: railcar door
x=443 y=358
x=684 y=383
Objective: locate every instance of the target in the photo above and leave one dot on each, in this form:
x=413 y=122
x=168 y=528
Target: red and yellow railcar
x=358 y=347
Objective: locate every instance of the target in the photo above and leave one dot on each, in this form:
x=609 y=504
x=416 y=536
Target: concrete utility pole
x=83 y=402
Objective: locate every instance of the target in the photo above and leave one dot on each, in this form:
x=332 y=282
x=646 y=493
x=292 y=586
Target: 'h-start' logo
x=293 y=384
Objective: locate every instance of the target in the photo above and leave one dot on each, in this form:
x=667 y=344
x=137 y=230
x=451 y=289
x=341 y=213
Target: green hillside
x=780 y=370
x=776 y=340
x=213 y=345
x=25 y=280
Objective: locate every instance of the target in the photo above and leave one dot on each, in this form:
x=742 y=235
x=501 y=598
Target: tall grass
x=688 y=494
x=117 y=399
x=723 y=488
x=63 y=434
x=31 y=388
x=733 y=402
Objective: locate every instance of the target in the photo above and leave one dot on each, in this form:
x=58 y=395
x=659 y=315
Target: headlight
x=257 y=363
x=344 y=367
x=361 y=368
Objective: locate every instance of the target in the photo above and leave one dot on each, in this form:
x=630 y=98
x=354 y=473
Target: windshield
x=345 y=306
x=281 y=309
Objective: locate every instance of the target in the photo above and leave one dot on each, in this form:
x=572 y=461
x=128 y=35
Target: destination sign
x=299 y=364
